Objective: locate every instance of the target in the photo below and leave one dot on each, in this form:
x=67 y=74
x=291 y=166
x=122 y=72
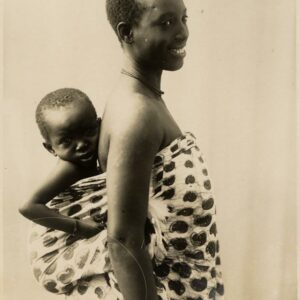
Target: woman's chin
x=174 y=67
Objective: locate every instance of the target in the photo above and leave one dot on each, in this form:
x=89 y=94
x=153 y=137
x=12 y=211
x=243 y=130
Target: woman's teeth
x=178 y=51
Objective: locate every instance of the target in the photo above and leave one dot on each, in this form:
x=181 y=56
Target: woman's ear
x=49 y=148
x=125 y=32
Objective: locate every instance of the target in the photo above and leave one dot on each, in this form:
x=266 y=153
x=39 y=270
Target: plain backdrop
x=236 y=92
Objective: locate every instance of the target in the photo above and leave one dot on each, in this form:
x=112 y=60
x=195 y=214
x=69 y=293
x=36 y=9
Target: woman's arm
x=134 y=141
x=64 y=175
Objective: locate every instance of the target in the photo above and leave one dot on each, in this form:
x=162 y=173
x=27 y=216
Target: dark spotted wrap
x=180 y=234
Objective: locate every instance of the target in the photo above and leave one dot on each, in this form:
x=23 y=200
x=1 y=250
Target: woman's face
x=160 y=37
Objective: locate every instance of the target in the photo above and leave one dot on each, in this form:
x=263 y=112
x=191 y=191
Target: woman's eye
x=184 y=19
x=167 y=23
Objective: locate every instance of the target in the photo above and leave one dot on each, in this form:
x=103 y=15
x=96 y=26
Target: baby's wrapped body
x=180 y=234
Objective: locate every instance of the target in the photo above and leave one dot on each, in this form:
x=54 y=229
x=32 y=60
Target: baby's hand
x=88 y=228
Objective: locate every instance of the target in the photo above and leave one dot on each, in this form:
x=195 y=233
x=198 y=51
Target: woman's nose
x=182 y=33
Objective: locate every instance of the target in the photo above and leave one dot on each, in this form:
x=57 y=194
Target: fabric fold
x=180 y=234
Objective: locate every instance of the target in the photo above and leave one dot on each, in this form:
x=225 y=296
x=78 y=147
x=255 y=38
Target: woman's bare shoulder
x=129 y=112
x=129 y=121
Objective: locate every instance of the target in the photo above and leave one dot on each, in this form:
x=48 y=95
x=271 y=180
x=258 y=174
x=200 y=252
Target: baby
x=70 y=127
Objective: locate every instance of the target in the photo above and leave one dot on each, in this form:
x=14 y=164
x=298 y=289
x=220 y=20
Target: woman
x=136 y=127
x=154 y=200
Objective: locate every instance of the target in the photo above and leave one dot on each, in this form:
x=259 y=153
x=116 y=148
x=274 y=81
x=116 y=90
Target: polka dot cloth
x=180 y=234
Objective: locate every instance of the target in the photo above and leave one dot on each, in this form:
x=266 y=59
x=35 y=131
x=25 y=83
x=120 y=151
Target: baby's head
x=69 y=125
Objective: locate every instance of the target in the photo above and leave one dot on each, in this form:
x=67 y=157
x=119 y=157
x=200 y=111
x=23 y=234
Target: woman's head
x=128 y=11
x=152 y=32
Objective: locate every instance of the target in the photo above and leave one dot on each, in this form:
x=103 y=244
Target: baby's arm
x=64 y=175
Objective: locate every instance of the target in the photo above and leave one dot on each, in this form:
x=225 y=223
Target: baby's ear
x=125 y=32
x=49 y=148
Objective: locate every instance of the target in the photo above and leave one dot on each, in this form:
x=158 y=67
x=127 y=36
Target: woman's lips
x=179 y=52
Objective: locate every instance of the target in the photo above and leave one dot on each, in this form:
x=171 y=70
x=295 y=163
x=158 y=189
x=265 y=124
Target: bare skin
x=73 y=138
x=136 y=135
x=63 y=175
x=136 y=125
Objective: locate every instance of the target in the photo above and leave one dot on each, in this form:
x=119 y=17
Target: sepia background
x=236 y=92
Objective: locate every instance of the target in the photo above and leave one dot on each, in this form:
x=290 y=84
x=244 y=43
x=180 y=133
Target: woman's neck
x=150 y=76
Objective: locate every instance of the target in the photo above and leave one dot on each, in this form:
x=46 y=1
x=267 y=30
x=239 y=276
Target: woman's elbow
x=122 y=245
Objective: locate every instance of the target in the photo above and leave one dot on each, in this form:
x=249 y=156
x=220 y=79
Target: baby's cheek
x=94 y=141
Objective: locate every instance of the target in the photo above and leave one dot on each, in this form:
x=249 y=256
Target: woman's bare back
x=117 y=110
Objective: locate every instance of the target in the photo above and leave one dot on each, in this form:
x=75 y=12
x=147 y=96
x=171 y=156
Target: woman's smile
x=160 y=37
x=179 y=52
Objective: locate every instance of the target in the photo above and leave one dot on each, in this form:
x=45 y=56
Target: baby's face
x=73 y=133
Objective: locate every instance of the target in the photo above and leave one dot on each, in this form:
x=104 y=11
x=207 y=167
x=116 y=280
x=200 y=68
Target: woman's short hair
x=128 y=11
